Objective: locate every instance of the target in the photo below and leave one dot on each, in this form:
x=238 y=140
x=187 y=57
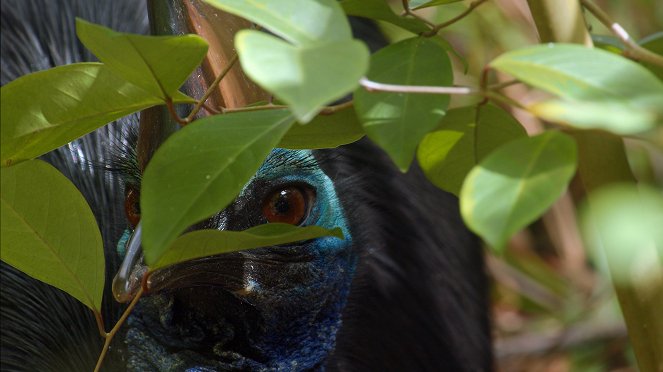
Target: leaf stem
x=408 y=12
x=329 y=110
x=211 y=88
x=253 y=108
x=109 y=336
x=173 y=113
x=502 y=85
x=496 y=96
x=373 y=86
x=100 y=323
x=455 y=19
x=632 y=48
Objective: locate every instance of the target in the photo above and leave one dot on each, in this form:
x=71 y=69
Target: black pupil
x=282 y=204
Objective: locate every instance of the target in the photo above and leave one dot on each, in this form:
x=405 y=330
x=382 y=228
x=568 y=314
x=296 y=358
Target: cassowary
x=405 y=291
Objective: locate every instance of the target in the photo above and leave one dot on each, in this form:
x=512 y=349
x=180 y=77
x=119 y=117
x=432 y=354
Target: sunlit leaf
x=203 y=243
x=45 y=110
x=158 y=64
x=463 y=138
x=420 y=4
x=50 y=233
x=615 y=117
x=306 y=78
x=588 y=78
x=380 y=10
x=623 y=222
x=324 y=131
x=300 y=22
x=200 y=169
x=398 y=121
x=515 y=184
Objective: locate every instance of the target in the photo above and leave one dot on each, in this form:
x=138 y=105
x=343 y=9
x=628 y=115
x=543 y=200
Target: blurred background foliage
x=554 y=307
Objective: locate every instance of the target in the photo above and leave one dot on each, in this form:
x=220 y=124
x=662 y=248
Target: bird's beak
x=129 y=277
x=224 y=271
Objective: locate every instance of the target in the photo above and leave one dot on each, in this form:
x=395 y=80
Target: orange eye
x=132 y=206
x=287 y=205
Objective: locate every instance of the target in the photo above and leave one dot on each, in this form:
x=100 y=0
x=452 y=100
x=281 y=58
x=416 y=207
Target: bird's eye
x=289 y=204
x=132 y=206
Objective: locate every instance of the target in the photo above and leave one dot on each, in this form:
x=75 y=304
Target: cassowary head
x=405 y=289
x=275 y=307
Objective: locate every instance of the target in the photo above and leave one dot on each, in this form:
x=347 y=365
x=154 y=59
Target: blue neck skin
x=288 y=312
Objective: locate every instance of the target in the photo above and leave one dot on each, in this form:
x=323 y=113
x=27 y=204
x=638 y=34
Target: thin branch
x=173 y=113
x=455 y=19
x=407 y=11
x=109 y=336
x=211 y=89
x=632 y=48
x=502 y=85
x=329 y=110
x=211 y=109
x=373 y=86
x=544 y=342
x=497 y=96
x=253 y=108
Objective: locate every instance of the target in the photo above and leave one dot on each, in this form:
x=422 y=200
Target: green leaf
x=306 y=78
x=588 y=78
x=398 y=121
x=515 y=184
x=50 y=233
x=324 y=131
x=615 y=117
x=200 y=169
x=463 y=138
x=301 y=22
x=203 y=243
x=609 y=43
x=158 y=64
x=420 y=4
x=45 y=110
x=654 y=43
x=623 y=221
x=380 y=10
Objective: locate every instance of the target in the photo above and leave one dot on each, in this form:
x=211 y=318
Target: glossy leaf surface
x=50 y=233
x=515 y=184
x=200 y=169
x=324 y=131
x=588 y=78
x=204 y=243
x=158 y=64
x=398 y=121
x=305 y=78
x=380 y=10
x=463 y=138
x=45 y=110
x=300 y=22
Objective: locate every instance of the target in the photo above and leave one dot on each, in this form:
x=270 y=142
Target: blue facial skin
x=287 y=309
